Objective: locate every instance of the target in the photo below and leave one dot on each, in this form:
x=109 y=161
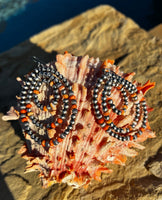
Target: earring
x=110 y=86
x=63 y=101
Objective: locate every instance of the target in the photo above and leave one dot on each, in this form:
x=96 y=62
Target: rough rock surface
x=101 y=32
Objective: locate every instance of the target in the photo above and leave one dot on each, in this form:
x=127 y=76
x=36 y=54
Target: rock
x=156 y=31
x=101 y=32
x=154 y=164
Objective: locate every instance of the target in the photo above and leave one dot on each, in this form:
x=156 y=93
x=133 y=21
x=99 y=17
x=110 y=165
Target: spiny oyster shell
x=89 y=147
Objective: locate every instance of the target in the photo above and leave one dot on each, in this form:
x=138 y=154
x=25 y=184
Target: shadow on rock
x=5 y=192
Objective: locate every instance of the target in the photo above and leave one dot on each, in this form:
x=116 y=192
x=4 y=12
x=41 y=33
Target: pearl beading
x=61 y=89
x=108 y=81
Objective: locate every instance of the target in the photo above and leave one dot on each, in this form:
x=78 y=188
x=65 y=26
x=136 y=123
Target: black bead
x=32 y=136
x=108 y=130
x=48 y=107
x=28 y=110
x=95 y=106
x=67 y=131
x=56 y=124
x=29 y=132
x=120 y=138
x=95 y=95
x=133 y=126
x=104 y=103
x=64 y=111
x=96 y=111
x=94 y=100
x=65 y=100
x=109 y=93
x=71 y=93
x=63 y=116
x=123 y=139
x=115 y=110
x=110 y=101
x=41 y=107
x=37 y=87
x=29 y=96
x=105 y=109
x=64 y=80
x=75 y=111
x=103 y=98
x=40 y=125
x=70 y=127
x=26 y=123
x=112 y=106
x=134 y=137
x=119 y=112
x=72 y=121
x=112 y=124
x=57 y=96
x=39 y=141
x=73 y=116
x=25 y=87
x=57 y=73
x=27 y=128
x=55 y=142
x=37 y=124
x=103 y=125
x=66 y=106
x=111 y=134
x=62 y=135
x=67 y=83
x=98 y=85
x=23 y=97
x=22 y=107
x=73 y=101
x=36 y=139
x=34 y=121
x=55 y=91
x=31 y=117
x=27 y=101
x=121 y=130
x=48 y=125
x=38 y=105
x=24 y=92
x=96 y=90
x=127 y=138
x=47 y=145
x=54 y=102
x=143 y=125
x=32 y=87
x=98 y=116
x=63 y=91
x=136 y=119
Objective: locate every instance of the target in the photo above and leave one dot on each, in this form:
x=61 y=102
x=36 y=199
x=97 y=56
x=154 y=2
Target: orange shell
x=88 y=149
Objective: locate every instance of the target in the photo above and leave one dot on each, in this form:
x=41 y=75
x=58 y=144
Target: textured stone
x=154 y=164
x=101 y=32
x=156 y=31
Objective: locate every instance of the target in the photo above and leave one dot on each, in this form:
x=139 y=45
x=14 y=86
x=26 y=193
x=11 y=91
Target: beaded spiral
x=59 y=89
x=128 y=92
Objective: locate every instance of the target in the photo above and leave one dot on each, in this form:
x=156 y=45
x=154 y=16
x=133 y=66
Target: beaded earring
x=61 y=91
x=109 y=81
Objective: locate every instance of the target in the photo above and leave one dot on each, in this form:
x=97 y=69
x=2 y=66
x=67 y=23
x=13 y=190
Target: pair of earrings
x=62 y=91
